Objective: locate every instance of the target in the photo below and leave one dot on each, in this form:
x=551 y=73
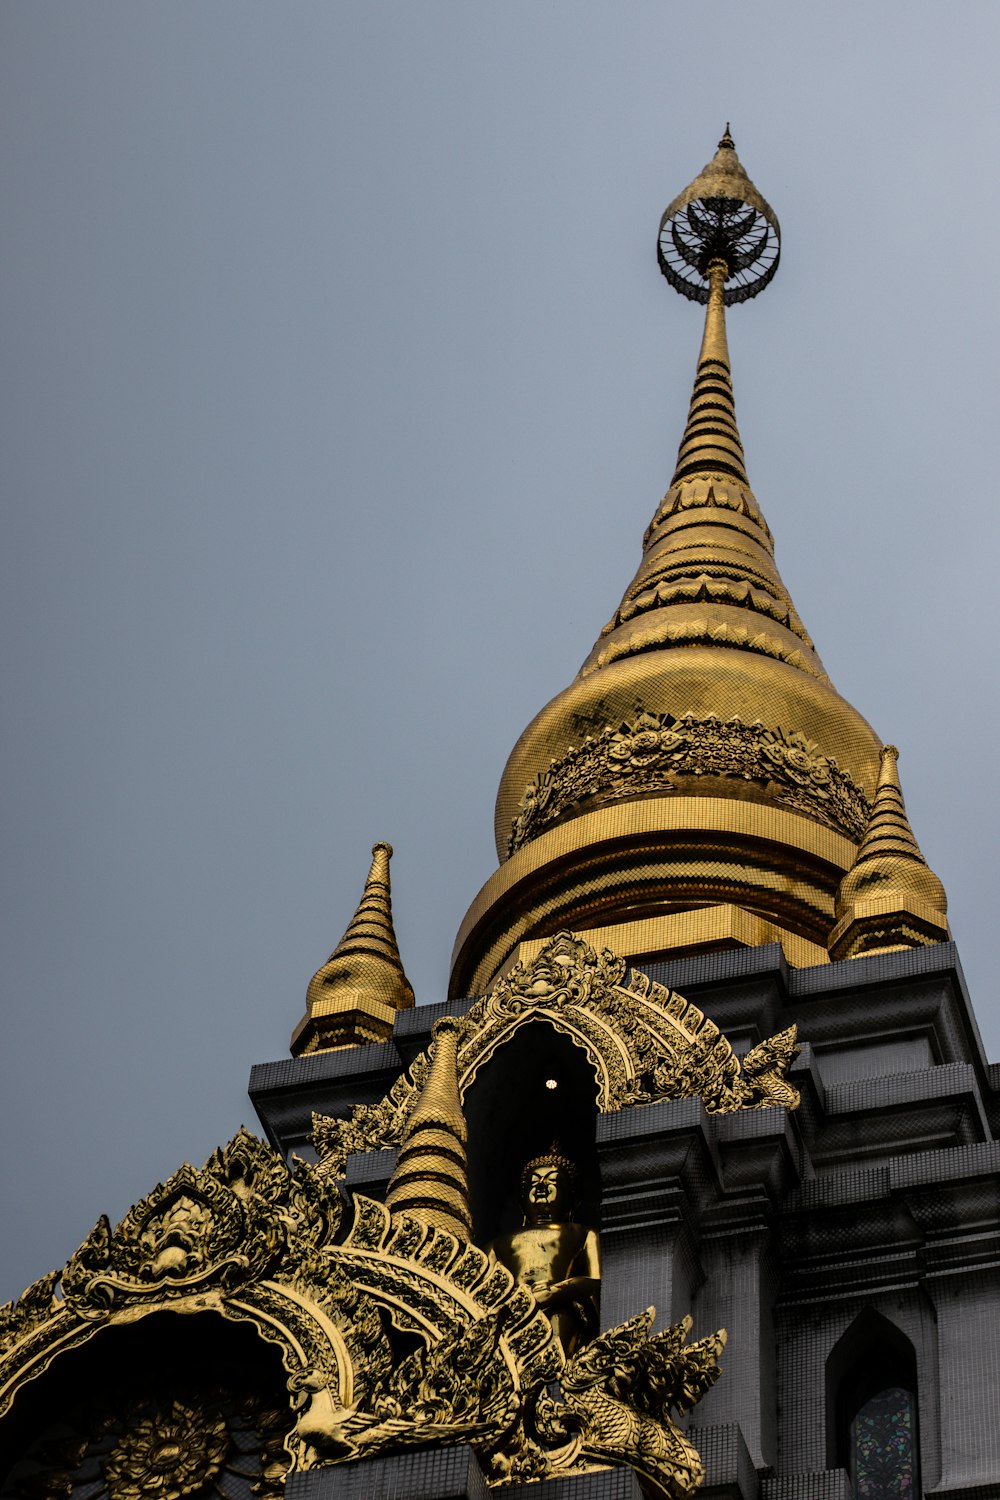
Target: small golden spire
x=354 y=997
x=711 y=440
x=708 y=576
x=890 y=898
x=430 y=1181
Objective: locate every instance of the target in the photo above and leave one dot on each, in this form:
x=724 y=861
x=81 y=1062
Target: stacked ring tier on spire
x=702 y=756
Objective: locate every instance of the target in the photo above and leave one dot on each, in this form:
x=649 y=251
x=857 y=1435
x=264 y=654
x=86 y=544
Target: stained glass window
x=883 y=1447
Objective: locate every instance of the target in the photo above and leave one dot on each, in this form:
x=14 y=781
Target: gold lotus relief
x=202 y=1445
x=167 y=1453
x=699 y=493
x=658 y=753
x=662 y=632
x=715 y=590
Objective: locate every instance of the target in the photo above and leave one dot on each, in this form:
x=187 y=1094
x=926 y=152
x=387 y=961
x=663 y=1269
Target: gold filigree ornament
x=393 y=1333
x=658 y=753
x=644 y=1042
x=243 y=1237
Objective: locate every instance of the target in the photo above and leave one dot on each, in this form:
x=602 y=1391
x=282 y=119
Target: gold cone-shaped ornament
x=890 y=898
x=355 y=996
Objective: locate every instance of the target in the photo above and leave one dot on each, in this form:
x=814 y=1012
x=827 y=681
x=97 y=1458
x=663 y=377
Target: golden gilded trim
x=709 y=492
x=715 y=588
x=704 y=929
x=394 y=1333
x=643 y=1041
x=635 y=858
x=702 y=630
x=652 y=753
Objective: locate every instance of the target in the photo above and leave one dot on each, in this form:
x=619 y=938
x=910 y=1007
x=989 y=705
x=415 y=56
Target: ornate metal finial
x=720 y=218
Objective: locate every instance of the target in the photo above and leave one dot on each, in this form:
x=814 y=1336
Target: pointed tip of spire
x=711 y=441
x=727 y=143
x=353 y=998
x=890 y=898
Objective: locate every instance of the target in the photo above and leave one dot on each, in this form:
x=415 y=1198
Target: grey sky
x=339 y=384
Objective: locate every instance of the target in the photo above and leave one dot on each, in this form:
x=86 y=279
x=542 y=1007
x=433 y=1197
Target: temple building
x=690 y=1183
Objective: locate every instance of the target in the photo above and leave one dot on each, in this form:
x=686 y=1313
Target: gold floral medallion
x=198 y=1444
x=167 y=1453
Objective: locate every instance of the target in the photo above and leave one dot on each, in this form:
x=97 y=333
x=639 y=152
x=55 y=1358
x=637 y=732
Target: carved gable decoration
x=644 y=1042
x=392 y=1332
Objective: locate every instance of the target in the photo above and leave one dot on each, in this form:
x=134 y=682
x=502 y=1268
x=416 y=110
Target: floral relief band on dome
x=653 y=752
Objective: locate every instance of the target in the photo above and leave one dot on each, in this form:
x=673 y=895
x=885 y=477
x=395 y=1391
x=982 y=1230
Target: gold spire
x=354 y=997
x=430 y=1181
x=708 y=575
x=711 y=438
x=701 y=759
x=890 y=898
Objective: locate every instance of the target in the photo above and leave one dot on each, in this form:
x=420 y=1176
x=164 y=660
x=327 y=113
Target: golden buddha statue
x=556 y=1258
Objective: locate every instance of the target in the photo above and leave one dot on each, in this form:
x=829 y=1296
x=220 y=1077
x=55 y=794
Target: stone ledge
x=425 y=1474
x=369 y=1172
x=989 y=1491
x=442 y=1473
x=821 y=1484
x=729 y=1470
x=599 y=1484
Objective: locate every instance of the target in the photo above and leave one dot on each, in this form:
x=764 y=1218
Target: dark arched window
x=537 y=1088
x=882 y=1451
x=872 y=1403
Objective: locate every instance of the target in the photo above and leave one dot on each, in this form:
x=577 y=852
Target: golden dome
x=701 y=755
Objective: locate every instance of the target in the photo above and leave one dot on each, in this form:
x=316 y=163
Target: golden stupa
x=701 y=783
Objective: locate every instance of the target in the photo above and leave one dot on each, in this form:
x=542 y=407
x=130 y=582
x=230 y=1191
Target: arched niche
x=536 y=1088
x=131 y=1388
x=872 y=1407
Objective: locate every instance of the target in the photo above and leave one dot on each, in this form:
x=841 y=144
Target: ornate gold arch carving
x=643 y=1041
x=256 y=1242
x=242 y=1237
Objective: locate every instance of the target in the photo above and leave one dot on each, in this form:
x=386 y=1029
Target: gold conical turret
x=430 y=1181
x=711 y=438
x=354 y=997
x=890 y=898
x=701 y=779
x=708 y=575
